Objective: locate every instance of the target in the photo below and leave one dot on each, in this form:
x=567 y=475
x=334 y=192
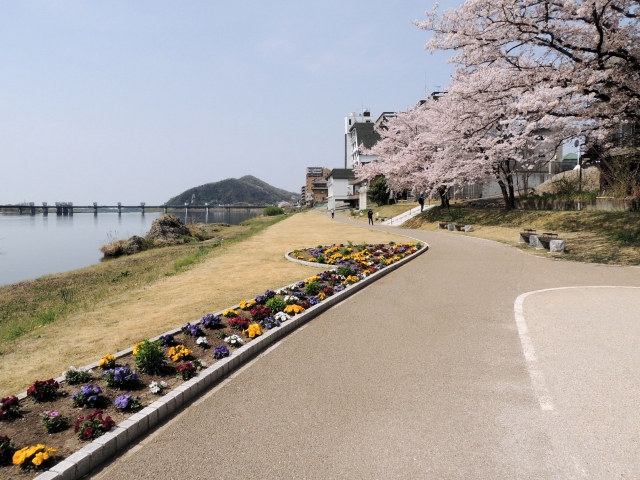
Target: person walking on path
x=370 y=215
x=421 y=202
x=332 y=212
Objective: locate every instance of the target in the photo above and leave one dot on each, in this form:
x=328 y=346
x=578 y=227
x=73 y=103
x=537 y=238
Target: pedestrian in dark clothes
x=332 y=212
x=370 y=215
x=421 y=202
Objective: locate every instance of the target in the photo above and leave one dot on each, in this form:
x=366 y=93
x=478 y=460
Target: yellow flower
x=312 y=260
x=246 y=304
x=294 y=309
x=315 y=278
x=230 y=313
x=253 y=330
x=20 y=456
x=107 y=361
x=136 y=348
x=321 y=296
x=300 y=257
x=39 y=458
x=178 y=352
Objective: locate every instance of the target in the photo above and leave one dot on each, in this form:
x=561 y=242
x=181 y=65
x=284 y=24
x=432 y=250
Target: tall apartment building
x=315 y=189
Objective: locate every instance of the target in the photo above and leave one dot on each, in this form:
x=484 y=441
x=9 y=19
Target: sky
x=121 y=101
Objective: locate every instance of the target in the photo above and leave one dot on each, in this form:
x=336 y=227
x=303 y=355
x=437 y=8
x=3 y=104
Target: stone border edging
x=95 y=453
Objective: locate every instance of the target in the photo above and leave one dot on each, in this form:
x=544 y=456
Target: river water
x=33 y=246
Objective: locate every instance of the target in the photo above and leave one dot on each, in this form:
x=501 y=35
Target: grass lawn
x=591 y=236
x=106 y=309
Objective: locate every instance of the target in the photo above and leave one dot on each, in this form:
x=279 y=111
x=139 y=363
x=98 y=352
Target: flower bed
x=122 y=386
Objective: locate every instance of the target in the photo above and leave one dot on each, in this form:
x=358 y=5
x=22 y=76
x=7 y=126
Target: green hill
x=247 y=189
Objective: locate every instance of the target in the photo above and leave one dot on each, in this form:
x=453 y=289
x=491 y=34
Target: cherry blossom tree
x=583 y=55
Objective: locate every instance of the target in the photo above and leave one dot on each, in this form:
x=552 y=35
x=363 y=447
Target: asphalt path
x=428 y=373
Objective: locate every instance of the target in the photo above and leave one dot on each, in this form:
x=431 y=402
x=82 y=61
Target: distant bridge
x=68 y=208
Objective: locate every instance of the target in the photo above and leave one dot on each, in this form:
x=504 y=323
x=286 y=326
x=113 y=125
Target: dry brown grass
x=234 y=272
x=590 y=236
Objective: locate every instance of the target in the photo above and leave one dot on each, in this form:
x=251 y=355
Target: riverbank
x=591 y=236
x=149 y=303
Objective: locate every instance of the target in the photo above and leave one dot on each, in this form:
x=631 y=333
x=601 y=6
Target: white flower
x=233 y=340
x=202 y=341
x=155 y=388
x=282 y=317
x=164 y=384
x=203 y=364
x=291 y=299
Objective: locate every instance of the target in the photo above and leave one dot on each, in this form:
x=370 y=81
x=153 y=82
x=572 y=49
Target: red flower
x=88 y=432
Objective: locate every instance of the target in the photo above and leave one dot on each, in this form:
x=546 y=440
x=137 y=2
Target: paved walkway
x=422 y=375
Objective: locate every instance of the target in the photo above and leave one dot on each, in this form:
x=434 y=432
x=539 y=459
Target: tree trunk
x=444 y=200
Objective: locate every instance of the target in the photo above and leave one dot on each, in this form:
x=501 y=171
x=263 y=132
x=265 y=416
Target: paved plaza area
x=471 y=361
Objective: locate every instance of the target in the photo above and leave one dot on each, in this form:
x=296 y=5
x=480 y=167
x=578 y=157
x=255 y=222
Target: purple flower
x=126 y=402
x=210 y=320
x=53 y=414
x=269 y=294
x=313 y=300
x=167 y=340
x=259 y=299
x=192 y=330
x=338 y=288
x=300 y=284
x=220 y=352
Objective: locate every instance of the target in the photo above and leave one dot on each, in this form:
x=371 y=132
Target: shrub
x=313 y=288
x=120 y=377
x=75 y=376
x=272 y=211
x=344 y=271
x=33 y=458
x=10 y=407
x=6 y=449
x=43 y=390
x=93 y=425
x=276 y=304
x=53 y=422
x=149 y=357
x=88 y=396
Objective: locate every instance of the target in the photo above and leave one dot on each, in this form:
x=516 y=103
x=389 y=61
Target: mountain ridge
x=246 y=189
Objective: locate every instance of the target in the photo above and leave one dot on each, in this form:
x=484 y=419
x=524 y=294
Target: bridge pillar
x=164 y=208
x=32 y=208
x=19 y=210
x=95 y=208
x=70 y=208
x=58 y=209
x=142 y=204
x=45 y=209
x=206 y=214
x=119 y=208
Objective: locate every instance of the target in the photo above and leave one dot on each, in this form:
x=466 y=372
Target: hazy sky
x=136 y=101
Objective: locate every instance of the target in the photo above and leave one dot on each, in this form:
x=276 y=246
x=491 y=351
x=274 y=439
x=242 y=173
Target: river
x=33 y=246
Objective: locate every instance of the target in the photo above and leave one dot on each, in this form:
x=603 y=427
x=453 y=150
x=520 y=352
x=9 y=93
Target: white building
x=338 y=188
x=358 y=131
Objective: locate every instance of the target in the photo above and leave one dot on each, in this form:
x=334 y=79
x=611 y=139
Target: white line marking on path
x=537 y=377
